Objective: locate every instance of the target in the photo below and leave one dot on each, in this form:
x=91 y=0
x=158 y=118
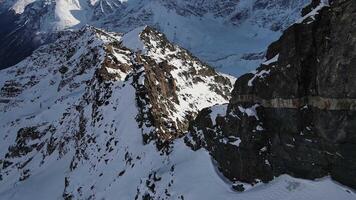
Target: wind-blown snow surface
x=231 y=35
x=58 y=141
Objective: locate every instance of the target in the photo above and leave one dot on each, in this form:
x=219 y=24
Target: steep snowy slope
x=230 y=35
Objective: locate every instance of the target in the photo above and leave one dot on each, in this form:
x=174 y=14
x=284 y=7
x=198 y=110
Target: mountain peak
x=70 y=96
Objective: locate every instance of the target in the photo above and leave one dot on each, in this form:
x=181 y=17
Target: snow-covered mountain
x=93 y=115
x=231 y=35
x=88 y=103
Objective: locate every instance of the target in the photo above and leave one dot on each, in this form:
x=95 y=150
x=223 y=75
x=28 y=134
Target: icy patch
x=251 y=111
x=218 y=110
x=272 y=60
x=260 y=74
x=314 y=12
x=19 y=6
x=133 y=41
x=237 y=142
x=259 y=128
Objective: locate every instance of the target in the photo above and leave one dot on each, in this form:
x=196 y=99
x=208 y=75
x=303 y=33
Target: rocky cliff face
x=296 y=113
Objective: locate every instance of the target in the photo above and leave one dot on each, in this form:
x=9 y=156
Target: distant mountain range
x=230 y=35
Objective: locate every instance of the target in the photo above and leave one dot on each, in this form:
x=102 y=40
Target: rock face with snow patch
x=296 y=113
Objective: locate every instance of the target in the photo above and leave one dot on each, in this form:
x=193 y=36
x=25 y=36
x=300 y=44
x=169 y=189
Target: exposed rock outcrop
x=297 y=113
x=175 y=82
